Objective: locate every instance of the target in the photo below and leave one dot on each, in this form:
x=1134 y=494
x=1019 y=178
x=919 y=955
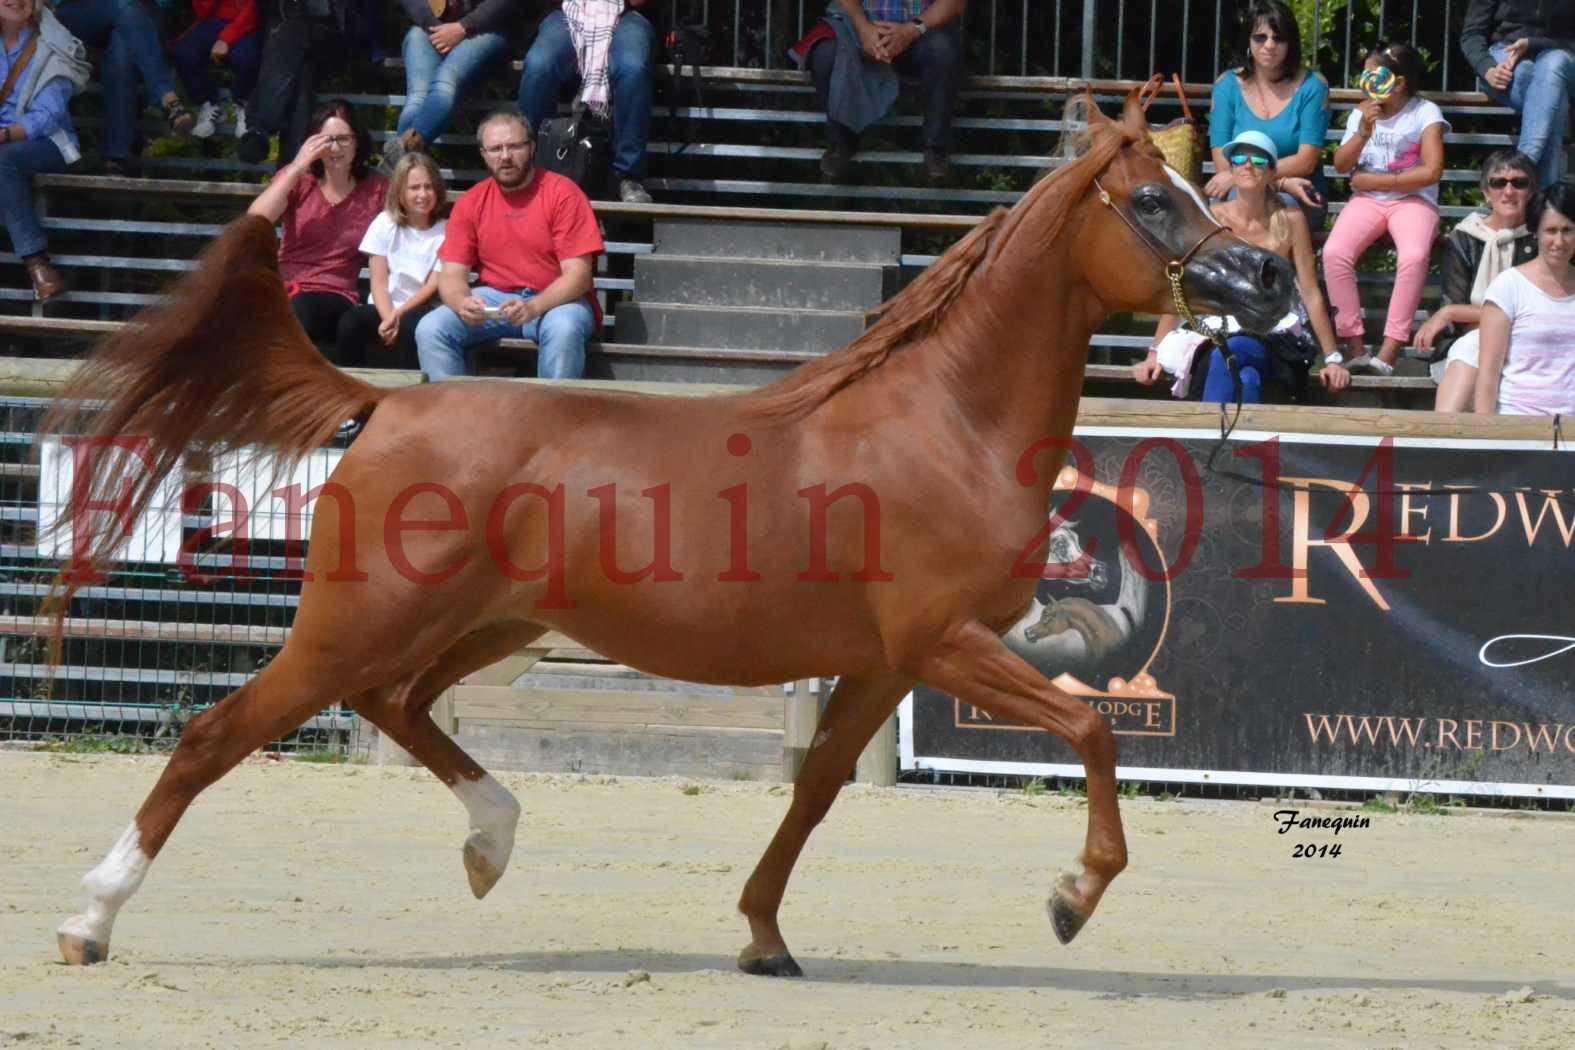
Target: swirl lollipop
x=1378 y=84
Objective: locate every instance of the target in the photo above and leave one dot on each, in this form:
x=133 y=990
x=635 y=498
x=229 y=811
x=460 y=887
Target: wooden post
x=801 y=712
x=443 y=712
x=391 y=754
x=878 y=763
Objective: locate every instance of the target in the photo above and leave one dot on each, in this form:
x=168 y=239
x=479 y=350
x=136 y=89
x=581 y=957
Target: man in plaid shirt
x=921 y=39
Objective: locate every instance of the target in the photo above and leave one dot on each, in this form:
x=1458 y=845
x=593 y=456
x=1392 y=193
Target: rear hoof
x=80 y=951
x=482 y=873
x=778 y=965
x=1065 y=919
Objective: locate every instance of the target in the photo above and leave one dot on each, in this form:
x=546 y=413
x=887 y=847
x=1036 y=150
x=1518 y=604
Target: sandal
x=180 y=119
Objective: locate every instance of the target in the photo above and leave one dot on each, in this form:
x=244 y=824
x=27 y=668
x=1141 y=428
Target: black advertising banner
x=1391 y=615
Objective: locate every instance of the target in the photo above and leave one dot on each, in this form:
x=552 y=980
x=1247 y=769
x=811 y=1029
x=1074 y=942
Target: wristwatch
x=918 y=23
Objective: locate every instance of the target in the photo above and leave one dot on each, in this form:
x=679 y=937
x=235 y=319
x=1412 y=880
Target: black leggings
x=319 y=314
x=358 y=344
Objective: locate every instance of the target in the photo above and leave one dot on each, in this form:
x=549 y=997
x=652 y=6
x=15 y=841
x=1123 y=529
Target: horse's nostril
x=1269 y=278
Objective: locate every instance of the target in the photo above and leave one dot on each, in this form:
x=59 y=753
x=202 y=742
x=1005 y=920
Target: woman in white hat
x=1256 y=215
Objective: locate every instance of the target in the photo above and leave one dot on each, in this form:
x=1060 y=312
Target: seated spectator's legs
x=132 y=51
x=1413 y=223
x=1541 y=91
x=189 y=54
x=359 y=346
x=1361 y=222
x=629 y=75
x=355 y=336
x=548 y=71
x=319 y=314
x=287 y=80
x=1252 y=359
x=433 y=82
x=244 y=60
x=822 y=58
x=1459 y=377
x=442 y=338
x=19 y=162
x=561 y=334
x=936 y=60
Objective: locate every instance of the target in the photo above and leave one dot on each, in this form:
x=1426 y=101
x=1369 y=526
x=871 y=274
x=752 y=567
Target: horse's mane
x=915 y=312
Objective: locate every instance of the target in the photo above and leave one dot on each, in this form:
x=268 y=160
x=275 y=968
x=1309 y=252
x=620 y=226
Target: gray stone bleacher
x=758 y=143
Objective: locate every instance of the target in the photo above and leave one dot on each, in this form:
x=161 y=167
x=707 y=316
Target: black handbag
x=578 y=147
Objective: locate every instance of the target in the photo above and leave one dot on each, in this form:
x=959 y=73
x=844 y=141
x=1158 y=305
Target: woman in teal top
x=1272 y=93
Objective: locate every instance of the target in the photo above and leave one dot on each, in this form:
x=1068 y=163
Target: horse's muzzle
x=1250 y=283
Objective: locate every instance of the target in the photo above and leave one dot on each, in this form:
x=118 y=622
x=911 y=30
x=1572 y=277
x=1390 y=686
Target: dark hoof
x=79 y=951
x=1064 y=919
x=779 y=965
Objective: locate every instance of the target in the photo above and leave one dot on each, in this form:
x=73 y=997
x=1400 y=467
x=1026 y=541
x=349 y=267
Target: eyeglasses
x=1257 y=160
x=1520 y=182
x=1267 y=38
x=340 y=140
x=507 y=147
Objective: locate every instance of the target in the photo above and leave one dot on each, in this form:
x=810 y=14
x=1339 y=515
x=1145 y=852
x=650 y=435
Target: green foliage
x=96 y=744
x=1036 y=787
x=323 y=757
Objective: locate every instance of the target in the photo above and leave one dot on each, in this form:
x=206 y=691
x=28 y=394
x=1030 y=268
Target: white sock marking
x=109 y=886
x=494 y=814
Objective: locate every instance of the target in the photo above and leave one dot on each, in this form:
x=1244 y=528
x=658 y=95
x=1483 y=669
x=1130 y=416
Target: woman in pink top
x=324 y=199
x=1527 y=363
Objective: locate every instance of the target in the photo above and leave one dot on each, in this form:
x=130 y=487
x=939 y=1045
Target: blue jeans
x=1253 y=359
x=190 y=55
x=560 y=335
x=434 y=82
x=19 y=162
x=1540 y=93
x=550 y=69
x=126 y=31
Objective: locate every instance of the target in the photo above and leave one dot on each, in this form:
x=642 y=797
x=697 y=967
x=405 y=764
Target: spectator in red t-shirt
x=324 y=199
x=531 y=236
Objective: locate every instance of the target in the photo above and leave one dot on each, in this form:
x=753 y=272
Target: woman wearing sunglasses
x=1285 y=356
x=1271 y=93
x=1481 y=247
x=1528 y=362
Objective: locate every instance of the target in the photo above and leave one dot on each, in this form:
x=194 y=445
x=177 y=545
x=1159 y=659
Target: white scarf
x=1498 y=251
x=591 y=24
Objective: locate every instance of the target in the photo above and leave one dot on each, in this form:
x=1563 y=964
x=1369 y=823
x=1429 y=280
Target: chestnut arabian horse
x=710 y=541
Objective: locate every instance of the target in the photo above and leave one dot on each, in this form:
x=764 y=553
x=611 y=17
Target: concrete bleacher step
x=751 y=328
x=780 y=284
x=807 y=242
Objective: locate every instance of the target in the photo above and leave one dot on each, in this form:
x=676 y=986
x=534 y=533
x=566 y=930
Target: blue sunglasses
x=1257 y=160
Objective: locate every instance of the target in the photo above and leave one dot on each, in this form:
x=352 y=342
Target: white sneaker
x=240 y=122
x=207 y=115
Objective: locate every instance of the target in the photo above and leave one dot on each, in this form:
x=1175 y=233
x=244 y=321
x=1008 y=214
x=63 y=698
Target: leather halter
x=1175 y=269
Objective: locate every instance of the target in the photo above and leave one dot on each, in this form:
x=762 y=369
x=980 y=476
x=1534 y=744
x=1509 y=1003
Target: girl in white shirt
x=1395 y=146
x=401 y=247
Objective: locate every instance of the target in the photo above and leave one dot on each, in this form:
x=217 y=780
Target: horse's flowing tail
x=221 y=363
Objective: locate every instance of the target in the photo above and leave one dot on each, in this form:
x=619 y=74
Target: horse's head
x=1162 y=223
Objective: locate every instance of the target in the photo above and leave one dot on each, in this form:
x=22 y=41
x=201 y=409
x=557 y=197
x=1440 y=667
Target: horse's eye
x=1150 y=203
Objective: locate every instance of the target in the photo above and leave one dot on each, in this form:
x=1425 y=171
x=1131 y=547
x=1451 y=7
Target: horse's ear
x=1132 y=112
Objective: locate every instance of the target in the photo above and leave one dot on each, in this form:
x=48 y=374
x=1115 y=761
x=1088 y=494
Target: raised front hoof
x=1065 y=920
x=482 y=873
x=778 y=965
x=80 y=951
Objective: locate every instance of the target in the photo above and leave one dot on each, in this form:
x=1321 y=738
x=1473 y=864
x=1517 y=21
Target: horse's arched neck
x=1012 y=349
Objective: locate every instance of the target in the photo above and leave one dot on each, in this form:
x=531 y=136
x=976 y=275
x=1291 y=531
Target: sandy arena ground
x=317 y=906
